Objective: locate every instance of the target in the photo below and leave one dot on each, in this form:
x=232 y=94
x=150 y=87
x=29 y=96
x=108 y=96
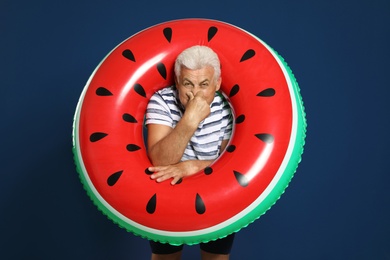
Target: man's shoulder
x=165 y=97
x=167 y=92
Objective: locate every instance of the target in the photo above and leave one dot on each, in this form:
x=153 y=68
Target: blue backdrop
x=337 y=205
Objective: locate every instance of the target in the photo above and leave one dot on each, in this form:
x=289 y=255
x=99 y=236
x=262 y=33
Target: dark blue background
x=337 y=205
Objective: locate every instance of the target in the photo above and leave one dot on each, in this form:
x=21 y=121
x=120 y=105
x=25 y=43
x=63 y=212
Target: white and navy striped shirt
x=164 y=108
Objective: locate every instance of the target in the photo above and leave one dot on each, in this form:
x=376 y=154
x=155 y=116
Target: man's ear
x=219 y=81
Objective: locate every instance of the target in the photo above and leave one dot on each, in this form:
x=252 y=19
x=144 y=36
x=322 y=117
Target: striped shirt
x=164 y=108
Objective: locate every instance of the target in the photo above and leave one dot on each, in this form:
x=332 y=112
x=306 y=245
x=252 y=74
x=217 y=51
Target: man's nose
x=195 y=90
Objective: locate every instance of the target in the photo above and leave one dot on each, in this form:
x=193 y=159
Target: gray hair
x=197 y=57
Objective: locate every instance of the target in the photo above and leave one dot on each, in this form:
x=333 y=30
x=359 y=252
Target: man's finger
x=190 y=95
x=156 y=168
x=174 y=181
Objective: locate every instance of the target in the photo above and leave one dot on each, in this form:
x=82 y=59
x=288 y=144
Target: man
x=189 y=125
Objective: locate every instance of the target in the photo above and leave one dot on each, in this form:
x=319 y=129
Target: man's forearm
x=170 y=149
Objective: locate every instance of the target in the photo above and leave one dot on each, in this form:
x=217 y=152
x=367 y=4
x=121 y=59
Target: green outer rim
x=255 y=214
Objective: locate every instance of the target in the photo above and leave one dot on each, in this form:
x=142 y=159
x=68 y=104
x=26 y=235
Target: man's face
x=195 y=81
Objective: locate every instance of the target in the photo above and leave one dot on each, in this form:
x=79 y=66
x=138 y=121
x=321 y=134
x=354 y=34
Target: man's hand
x=197 y=108
x=177 y=171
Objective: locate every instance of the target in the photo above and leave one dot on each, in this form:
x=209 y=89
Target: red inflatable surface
x=239 y=186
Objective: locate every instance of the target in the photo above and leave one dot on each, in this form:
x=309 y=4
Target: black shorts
x=221 y=246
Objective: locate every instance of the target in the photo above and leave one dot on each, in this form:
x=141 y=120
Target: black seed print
x=162 y=70
x=269 y=92
x=234 y=90
x=129 y=118
x=128 y=54
x=208 y=170
x=148 y=172
x=211 y=33
x=152 y=203
x=247 y=55
x=267 y=138
x=231 y=148
x=168 y=33
x=132 y=147
x=97 y=136
x=103 y=92
x=240 y=119
x=139 y=89
x=199 y=205
x=114 y=178
x=242 y=180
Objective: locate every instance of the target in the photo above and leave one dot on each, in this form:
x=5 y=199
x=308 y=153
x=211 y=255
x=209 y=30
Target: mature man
x=189 y=125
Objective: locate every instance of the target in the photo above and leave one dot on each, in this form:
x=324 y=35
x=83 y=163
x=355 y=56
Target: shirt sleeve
x=158 y=112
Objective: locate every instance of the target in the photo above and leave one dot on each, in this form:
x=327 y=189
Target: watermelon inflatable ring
x=246 y=180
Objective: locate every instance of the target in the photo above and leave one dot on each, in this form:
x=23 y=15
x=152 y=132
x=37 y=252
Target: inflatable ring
x=247 y=179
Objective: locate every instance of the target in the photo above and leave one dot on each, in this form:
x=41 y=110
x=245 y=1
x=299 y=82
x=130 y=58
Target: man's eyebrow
x=203 y=81
x=185 y=79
